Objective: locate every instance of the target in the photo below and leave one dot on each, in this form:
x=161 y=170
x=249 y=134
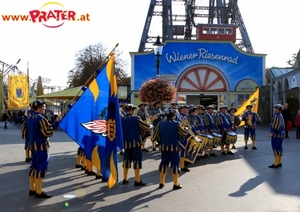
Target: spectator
x=297 y=123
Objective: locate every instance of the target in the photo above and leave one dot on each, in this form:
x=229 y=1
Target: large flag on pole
x=252 y=100
x=94 y=123
x=18 y=96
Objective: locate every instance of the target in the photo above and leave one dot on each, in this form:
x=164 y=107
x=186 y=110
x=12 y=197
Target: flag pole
x=94 y=74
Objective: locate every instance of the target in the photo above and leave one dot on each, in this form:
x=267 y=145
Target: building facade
x=204 y=72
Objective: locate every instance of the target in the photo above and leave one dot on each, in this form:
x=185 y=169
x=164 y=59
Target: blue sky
x=271 y=26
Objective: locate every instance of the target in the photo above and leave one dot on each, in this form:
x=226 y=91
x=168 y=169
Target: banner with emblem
x=94 y=123
x=252 y=100
x=18 y=96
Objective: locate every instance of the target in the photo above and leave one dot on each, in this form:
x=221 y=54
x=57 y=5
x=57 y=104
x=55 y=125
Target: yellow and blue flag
x=94 y=123
x=18 y=92
x=252 y=100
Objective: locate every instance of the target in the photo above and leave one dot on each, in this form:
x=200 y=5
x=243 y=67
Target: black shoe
x=215 y=147
x=145 y=150
x=125 y=182
x=280 y=165
x=223 y=153
x=42 y=195
x=213 y=155
x=233 y=147
x=82 y=168
x=5 y=127
x=121 y=152
x=273 y=166
x=27 y=159
x=206 y=156
x=185 y=169
x=254 y=148
x=78 y=166
x=31 y=192
x=153 y=149
x=98 y=177
x=229 y=153
x=287 y=137
x=245 y=147
x=90 y=173
x=161 y=185
x=139 y=183
x=176 y=187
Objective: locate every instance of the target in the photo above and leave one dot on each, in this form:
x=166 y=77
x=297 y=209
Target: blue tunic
x=36 y=130
x=277 y=128
x=168 y=134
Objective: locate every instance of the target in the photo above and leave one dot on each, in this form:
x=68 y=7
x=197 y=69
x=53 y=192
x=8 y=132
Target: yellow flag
x=252 y=100
x=18 y=96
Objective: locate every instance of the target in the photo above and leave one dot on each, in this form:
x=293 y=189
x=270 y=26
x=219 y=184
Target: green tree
x=292 y=62
x=88 y=61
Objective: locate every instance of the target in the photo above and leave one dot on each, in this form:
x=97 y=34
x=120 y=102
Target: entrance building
x=208 y=72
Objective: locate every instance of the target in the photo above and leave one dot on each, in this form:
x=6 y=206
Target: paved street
x=239 y=182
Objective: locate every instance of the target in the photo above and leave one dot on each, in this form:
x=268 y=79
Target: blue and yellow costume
x=36 y=130
x=277 y=128
x=131 y=128
x=168 y=134
x=156 y=117
x=251 y=120
x=235 y=121
x=184 y=139
x=144 y=116
x=210 y=127
x=224 y=125
x=26 y=147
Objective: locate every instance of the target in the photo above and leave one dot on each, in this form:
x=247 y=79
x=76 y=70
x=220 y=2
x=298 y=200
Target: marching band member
x=251 y=120
x=193 y=120
x=122 y=114
x=131 y=127
x=200 y=118
x=168 y=133
x=142 y=113
x=156 y=112
x=27 y=149
x=224 y=126
x=210 y=126
x=276 y=133
x=121 y=110
x=36 y=130
x=174 y=107
x=183 y=112
x=235 y=120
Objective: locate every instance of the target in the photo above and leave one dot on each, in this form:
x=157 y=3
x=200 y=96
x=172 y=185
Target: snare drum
x=203 y=138
x=231 y=137
x=217 y=139
x=194 y=146
x=209 y=142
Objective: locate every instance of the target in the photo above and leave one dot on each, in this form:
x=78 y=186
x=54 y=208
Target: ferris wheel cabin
x=222 y=32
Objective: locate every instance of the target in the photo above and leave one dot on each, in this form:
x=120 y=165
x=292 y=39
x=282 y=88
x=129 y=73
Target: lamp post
x=158 y=48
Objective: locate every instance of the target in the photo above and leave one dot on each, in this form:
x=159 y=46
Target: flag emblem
x=111 y=129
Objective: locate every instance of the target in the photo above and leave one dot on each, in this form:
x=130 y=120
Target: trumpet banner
x=18 y=95
x=252 y=100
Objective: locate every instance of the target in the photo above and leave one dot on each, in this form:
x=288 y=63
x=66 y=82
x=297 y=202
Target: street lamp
x=158 y=48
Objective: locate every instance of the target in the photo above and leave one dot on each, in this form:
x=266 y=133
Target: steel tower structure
x=177 y=19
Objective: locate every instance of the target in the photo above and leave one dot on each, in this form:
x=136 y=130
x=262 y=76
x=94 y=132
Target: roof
x=69 y=93
x=277 y=72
